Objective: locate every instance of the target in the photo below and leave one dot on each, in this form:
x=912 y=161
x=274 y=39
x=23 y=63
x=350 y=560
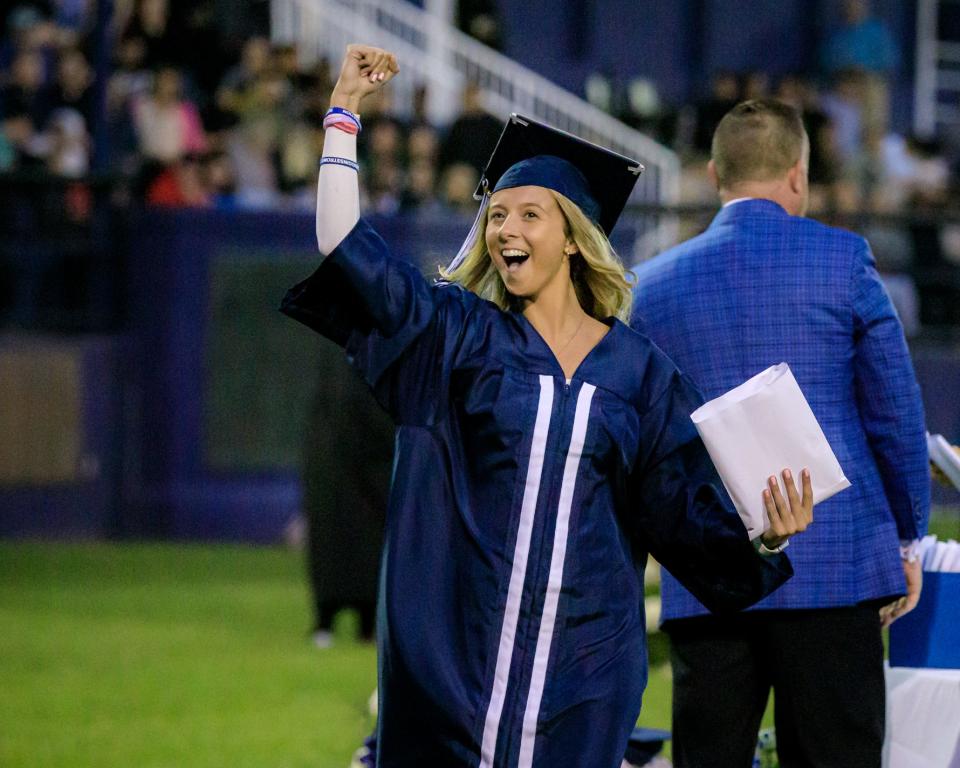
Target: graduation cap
x=644 y=744
x=529 y=153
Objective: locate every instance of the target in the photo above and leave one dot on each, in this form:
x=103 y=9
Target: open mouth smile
x=513 y=258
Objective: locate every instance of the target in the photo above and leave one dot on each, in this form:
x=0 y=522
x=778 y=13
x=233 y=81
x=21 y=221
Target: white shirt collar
x=738 y=200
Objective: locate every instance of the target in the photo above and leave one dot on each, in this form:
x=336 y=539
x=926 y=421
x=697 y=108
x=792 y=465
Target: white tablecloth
x=923 y=718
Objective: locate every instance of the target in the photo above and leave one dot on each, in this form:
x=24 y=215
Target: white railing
x=436 y=54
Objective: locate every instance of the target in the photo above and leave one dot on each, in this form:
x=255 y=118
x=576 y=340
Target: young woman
x=543 y=450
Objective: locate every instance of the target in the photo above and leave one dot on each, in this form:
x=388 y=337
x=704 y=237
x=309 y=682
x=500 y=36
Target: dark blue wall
x=185 y=447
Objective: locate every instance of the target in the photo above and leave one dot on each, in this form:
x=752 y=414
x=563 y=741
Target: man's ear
x=712 y=175
x=795 y=177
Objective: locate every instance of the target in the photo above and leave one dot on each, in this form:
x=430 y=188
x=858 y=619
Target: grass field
x=150 y=656
x=165 y=656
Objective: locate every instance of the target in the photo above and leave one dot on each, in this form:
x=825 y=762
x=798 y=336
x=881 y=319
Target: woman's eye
x=530 y=215
x=496 y=216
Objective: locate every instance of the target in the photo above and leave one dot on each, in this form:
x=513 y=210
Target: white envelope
x=760 y=428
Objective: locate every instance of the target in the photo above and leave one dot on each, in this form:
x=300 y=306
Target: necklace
x=570 y=340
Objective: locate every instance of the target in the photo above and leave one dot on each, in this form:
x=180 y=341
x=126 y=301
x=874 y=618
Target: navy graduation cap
x=530 y=153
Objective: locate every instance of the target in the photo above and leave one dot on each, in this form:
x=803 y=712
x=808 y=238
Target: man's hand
x=914 y=574
x=364 y=69
x=786 y=519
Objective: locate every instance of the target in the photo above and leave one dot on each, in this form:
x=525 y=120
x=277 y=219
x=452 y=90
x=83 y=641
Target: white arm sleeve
x=338 y=191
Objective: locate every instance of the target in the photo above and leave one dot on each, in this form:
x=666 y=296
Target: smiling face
x=526 y=239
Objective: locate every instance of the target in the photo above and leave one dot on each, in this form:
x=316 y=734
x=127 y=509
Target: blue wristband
x=346 y=113
x=345 y=162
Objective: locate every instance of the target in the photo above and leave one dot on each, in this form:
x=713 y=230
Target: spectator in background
x=423 y=148
x=25 y=142
x=423 y=144
x=129 y=84
x=26 y=92
x=724 y=94
x=316 y=94
x=472 y=136
x=756 y=85
x=179 y=185
x=69 y=144
x=130 y=79
x=457 y=185
x=220 y=180
x=827 y=188
x=168 y=126
x=152 y=25
x=843 y=105
x=239 y=80
x=252 y=147
x=74 y=86
x=420 y=193
x=481 y=20
x=199 y=35
x=373 y=141
x=864 y=45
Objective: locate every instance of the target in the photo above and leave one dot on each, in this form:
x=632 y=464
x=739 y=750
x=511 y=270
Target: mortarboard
x=598 y=180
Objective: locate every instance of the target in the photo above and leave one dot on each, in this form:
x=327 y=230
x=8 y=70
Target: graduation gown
x=511 y=628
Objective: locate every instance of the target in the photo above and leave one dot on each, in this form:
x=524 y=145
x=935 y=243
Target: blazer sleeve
x=888 y=398
x=687 y=521
x=402 y=334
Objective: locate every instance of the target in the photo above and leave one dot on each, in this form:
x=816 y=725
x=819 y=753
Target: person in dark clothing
x=346 y=480
x=472 y=136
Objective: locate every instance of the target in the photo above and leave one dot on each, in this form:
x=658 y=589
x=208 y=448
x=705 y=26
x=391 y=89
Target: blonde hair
x=604 y=288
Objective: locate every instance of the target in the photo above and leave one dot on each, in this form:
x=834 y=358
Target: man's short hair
x=757 y=140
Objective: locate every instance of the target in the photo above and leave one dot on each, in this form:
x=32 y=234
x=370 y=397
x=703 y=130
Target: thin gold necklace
x=570 y=340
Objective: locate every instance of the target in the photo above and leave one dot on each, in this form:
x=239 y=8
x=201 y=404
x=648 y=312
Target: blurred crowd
x=143 y=99
x=208 y=131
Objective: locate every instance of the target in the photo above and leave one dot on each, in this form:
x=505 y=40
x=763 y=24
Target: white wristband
x=910 y=550
x=766 y=551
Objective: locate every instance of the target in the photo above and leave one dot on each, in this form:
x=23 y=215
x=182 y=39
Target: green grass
x=147 y=655
x=163 y=656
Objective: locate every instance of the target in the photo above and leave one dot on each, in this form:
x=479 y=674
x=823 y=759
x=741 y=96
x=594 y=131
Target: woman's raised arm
x=364 y=70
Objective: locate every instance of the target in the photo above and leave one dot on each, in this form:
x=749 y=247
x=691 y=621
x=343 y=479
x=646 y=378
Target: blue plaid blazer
x=760 y=287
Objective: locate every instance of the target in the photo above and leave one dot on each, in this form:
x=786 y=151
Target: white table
x=923 y=718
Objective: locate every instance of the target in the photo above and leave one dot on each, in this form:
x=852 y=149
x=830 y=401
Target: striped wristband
x=344 y=161
x=343 y=119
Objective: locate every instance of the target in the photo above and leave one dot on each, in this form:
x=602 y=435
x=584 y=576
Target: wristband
x=910 y=550
x=764 y=550
x=344 y=119
x=342 y=161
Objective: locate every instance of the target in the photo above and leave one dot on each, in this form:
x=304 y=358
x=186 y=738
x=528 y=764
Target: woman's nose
x=507 y=229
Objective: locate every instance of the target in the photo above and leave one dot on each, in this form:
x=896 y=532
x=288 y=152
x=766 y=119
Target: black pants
x=826 y=671
x=327 y=609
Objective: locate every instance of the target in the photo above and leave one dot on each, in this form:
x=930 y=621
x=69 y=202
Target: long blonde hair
x=604 y=288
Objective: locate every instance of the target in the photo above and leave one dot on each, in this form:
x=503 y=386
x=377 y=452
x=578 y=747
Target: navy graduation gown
x=522 y=510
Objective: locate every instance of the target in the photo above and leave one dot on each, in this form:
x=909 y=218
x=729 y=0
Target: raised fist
x=364 y=69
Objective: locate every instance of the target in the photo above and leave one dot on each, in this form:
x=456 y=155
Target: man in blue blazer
x=763 y=285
